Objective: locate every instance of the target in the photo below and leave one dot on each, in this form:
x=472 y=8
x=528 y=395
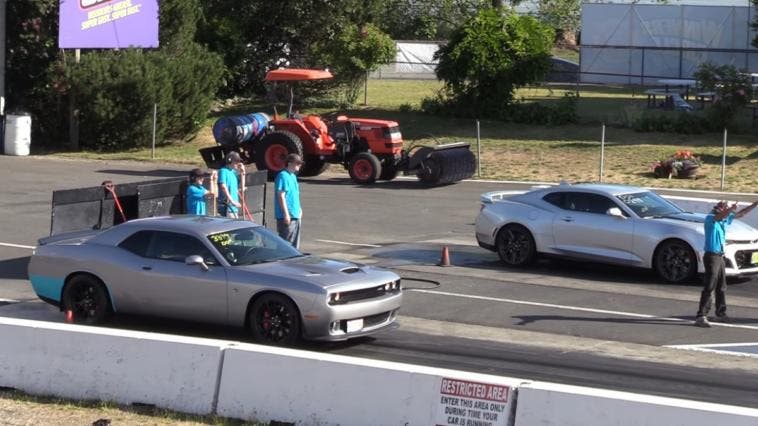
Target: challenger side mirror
x=615 y=212
x=196 y=260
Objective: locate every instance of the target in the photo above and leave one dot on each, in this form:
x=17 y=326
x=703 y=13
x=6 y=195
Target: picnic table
x=681 y=83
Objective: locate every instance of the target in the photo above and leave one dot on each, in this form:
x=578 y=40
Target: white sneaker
x=702 y=322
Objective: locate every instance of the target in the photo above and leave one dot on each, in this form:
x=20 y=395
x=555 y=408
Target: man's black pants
x=715 y=279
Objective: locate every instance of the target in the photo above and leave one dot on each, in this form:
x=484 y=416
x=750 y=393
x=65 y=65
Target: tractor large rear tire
x=365 y=168
x=272 y=153
x=313 y=166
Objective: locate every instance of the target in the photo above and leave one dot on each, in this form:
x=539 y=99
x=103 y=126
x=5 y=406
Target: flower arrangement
x=683 y=164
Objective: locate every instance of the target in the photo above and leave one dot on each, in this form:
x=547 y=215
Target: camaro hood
x=738 y=230
x=317 y=270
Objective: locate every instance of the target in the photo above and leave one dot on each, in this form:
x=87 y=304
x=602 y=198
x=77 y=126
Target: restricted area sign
x=467 y=403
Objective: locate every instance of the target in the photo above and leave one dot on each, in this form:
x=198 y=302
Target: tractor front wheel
x=365 y=168
x=273 y=151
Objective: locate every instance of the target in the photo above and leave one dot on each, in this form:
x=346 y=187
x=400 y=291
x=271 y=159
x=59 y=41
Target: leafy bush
x=672 y=122
x=488 y=58
x=561 y=112
x=733 y=91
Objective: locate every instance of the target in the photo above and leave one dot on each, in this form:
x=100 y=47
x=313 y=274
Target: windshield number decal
x=222 y=240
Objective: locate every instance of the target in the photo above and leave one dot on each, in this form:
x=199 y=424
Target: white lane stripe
x=18 y=246
x=577 y=308
x=713 y=345
x=347 y=244
x=715 y=351
x=8 y=301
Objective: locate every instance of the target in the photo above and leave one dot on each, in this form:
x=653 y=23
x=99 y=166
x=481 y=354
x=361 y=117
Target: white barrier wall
x=548 y=404
x=270 y=384
x=77 y=362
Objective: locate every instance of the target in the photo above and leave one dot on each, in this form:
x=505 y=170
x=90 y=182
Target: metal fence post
x=602 y=153
x=478 y=151
x=723 y=162
x=155 y=118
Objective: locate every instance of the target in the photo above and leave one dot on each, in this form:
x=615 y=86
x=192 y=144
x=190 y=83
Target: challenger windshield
x=247 y=246
x=649 y=204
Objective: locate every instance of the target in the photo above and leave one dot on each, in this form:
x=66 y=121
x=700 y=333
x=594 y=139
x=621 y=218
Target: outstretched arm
x=746 y=210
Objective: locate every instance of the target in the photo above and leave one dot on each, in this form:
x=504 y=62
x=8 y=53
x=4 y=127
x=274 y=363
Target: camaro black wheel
x=515 y=245
x=87 y=300
x=274 y=320
x=675 y=261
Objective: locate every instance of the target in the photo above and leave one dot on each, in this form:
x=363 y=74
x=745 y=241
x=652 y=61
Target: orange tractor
x=370 y=149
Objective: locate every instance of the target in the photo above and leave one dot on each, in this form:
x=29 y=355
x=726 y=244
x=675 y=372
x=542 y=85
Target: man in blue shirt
x=196 y=192
x=287 y=201
x=228 y=185
x=713 y=260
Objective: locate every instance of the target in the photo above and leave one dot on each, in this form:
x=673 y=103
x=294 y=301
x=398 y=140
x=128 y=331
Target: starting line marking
x=578 y=308
x=722 y=348
x=18 y=246
x=348 y=244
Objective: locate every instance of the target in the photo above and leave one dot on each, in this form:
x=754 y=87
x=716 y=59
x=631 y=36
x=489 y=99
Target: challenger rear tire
x=86 y=298
x=365 y=168
x=273 y=151
x=675 y=261
x=274 y=320
x=515 y=246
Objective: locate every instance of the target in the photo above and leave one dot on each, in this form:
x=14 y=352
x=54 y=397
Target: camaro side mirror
x=616 y=212
x=196 y=260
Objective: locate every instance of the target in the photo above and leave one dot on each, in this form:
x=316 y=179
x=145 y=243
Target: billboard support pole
x=73 y=113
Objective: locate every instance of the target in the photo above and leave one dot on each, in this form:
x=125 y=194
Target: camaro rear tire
x=675 y=261
x=515 y=246
x=87 y=300
x=274 y=320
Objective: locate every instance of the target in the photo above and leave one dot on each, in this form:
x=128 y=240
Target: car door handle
x=567 y=219
x=147 y=268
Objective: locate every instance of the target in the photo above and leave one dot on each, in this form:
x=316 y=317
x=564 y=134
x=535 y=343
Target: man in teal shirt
x=713 y=260
x=287 y=201
x=196 y=192
x=228 y=185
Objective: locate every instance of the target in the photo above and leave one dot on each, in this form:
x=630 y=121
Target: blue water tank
x=237 y=129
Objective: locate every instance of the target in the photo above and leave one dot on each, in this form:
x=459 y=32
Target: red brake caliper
x=266 y=319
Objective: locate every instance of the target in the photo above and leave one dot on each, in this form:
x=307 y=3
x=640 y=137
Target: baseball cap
x=294 y=158
x=195 y=173
x=233 y=157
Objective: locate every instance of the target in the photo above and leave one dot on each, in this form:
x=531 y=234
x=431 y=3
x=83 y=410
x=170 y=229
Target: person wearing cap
x=716 y=223
x=196 y=192
x=287 y=201
x=228 y=185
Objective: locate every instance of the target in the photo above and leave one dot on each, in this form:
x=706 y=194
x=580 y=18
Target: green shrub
x=672 y=122
x=733 y=91
x=488 y=58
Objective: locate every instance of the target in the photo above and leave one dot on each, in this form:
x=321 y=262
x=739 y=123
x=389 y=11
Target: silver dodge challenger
x=215 y=270
x=615 y=224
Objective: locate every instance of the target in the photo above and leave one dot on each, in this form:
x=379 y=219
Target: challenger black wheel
x=313 y=166
x=675 y=261
x=273 y=151
x=274 y=320
x=515 y=246
x=365 y=168
x=87 y=300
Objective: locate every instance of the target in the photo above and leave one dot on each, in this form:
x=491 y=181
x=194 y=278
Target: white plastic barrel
x=18 y=134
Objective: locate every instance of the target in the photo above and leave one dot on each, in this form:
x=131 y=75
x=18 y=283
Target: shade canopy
x=297 y=74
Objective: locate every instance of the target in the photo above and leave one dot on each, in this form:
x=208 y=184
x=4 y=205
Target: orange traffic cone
x=69 y=316
x=445 y=259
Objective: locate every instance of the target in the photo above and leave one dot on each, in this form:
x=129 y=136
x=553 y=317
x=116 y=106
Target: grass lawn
x=536 y=153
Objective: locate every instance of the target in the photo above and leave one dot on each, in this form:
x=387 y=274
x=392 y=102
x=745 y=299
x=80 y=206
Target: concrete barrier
x=548 y=404
x=79 y=362
x=269 y=384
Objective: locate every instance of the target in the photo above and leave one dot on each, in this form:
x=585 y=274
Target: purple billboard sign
x=108 y=24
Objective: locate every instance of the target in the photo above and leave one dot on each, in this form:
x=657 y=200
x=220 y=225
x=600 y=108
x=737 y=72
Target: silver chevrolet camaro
x=615 y=224
x=215 y=270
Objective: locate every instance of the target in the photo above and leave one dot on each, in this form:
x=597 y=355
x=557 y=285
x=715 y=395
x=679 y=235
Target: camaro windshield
x=247 y=246
x=649 y=204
